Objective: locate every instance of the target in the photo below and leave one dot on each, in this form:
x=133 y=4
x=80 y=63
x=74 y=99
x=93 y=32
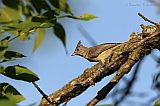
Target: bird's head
x=80 y=50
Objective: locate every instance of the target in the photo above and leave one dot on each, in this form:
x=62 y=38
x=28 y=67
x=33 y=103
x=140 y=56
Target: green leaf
x=157 y=103
x=27 y=27
x=12 y=3
x=60 y=33
x=23 y=29
x=9 y=14
x=5 y=29
x=51 y=15
x=4 y=43
x=10 y=55
x=62 y=5
x=28 y=11
x=7 y=103
x=85 y=17
x=39 y=5
x=39 y=38
x=30 y=25
x=19 y=73
x=7 y=90
x=10 y=26
x=3 y=46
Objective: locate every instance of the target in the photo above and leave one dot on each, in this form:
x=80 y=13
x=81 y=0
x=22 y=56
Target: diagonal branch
x=125 y=68
x=122 y=59
x=146 y=19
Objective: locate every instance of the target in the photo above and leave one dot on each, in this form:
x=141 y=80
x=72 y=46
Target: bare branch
x=146 y=19
x=122 y=59
x=41 y=92
x=106 y=89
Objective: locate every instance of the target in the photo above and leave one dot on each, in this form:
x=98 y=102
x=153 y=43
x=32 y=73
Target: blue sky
x=117 y=19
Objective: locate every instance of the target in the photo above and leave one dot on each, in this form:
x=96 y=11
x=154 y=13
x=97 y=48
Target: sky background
x=117 y=19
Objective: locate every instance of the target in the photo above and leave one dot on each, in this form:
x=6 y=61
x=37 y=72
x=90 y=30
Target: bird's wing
x=96 y=50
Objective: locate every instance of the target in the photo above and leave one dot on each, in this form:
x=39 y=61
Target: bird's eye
x=77 y=49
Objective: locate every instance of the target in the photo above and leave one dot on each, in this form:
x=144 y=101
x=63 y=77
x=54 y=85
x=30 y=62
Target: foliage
x=157 y=103
x=10 y=93
x=20 y=18
x=19 y=72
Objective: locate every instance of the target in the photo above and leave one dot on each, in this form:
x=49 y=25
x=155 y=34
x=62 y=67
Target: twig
x=121 y=72
x=41 y=92
x=15 y=36
x=146 y=19
x=80 y=84
x=135 y=51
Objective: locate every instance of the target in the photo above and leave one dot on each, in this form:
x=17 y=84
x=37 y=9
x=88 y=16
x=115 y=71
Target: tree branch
x=125 y=68
x=122 y=59
x=146 y=19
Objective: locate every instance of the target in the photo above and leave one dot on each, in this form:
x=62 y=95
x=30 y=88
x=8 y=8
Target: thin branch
x=122 y=58
x=146 y=19
x=41 y=92
x=124 y=69
x=15 y=37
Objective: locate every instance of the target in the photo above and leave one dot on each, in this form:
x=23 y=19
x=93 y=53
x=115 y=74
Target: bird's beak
x=73 y=54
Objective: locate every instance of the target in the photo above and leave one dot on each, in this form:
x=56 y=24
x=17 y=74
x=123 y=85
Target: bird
x=96 y=53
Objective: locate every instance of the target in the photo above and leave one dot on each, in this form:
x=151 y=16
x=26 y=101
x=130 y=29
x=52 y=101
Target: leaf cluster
x=18 y=20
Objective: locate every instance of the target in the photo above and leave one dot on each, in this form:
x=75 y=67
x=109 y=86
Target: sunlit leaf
x=4 y=43
x=32 y=24
x=24 y=29
x=12 y=3
x=19 y=73
x=5 y=102
x=61 y=5
x=5 y=29
x=85 y=17
x=28 y=11
x=3 y=46
x=39 y=38
x=60 y=33
x=11 y=26
x=157 y=103
x=11 y=93
x=9 y=14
